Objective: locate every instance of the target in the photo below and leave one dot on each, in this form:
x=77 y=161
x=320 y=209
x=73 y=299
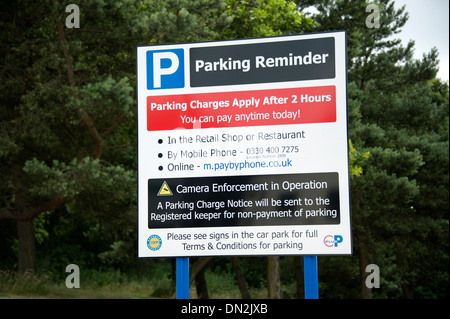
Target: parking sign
x=243 y=147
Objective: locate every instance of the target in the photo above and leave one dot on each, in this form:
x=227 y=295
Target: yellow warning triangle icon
x=165 y=190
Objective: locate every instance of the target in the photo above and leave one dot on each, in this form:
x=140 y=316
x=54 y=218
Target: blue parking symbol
x=165 y=69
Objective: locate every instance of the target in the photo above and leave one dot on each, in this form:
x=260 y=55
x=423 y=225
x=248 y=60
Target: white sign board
x=243 y=147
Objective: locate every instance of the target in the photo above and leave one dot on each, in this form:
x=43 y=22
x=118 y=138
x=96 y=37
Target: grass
x=65 y=293
x=34 y=286
x=111 y=285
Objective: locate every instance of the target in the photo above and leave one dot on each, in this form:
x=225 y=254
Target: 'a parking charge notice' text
x=294 y=199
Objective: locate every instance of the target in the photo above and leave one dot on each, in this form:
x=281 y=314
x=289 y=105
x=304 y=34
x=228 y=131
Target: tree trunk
x=197 y=266
x=26 y=246
x=366 y=293
x=200 y=285
x=273 y=277
x=407 y=292
x=298 y=263
x=240 y=278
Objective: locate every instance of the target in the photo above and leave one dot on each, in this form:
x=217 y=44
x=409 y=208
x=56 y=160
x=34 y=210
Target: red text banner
x=242 y=108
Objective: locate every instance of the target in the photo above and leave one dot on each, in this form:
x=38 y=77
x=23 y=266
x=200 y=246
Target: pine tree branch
x=114 y=125
x=31 y=212
x=98 y=140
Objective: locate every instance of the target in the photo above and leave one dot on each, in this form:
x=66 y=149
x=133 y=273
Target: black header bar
x=297 y=60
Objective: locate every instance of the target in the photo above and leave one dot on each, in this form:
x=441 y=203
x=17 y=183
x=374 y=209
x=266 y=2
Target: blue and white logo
x=165 y=69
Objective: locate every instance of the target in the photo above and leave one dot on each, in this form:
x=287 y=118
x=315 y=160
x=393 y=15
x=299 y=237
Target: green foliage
x=40 y=233
x=181 y=21
x=357 y=159
x=262 y=18
x=78 y=178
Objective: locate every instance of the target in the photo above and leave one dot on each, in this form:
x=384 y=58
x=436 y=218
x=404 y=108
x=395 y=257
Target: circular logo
x=328 y=241
x=331 y=240
x=154 y=242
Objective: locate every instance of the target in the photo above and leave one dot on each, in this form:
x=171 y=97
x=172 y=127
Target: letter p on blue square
x=165 y=69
